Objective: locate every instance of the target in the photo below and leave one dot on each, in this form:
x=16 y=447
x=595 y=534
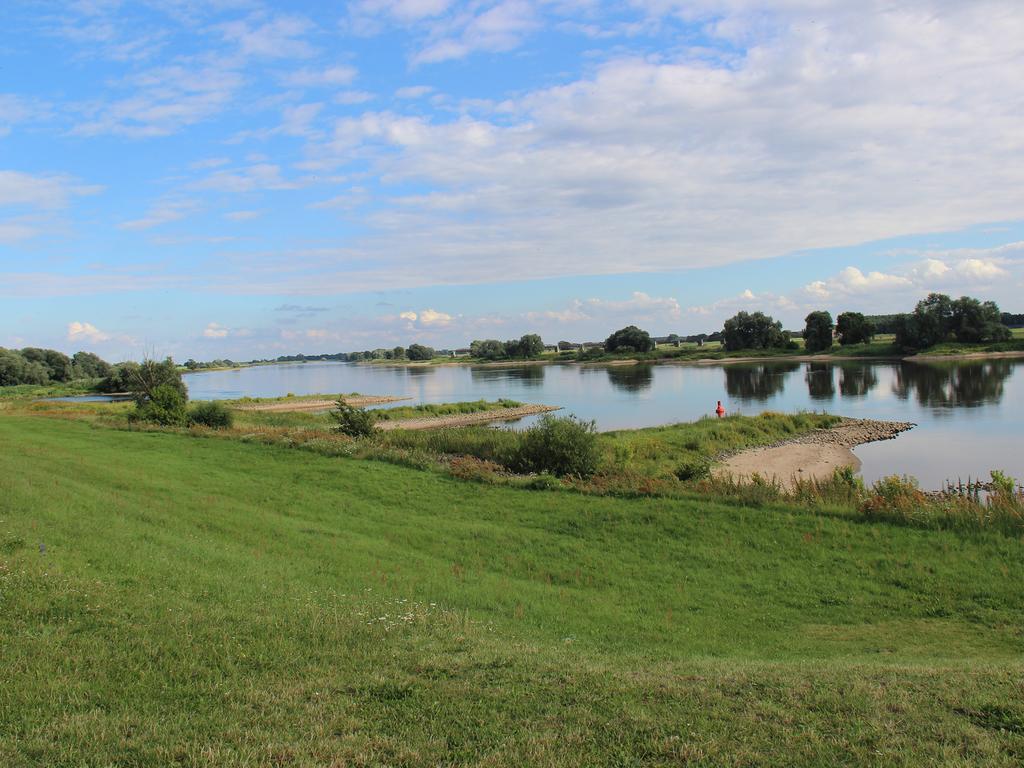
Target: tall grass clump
x=899 y=500
x=563 y=446
x=165 y=406
x=211 y=414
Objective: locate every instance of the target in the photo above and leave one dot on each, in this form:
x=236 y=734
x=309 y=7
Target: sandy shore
x=317 y=405
x=465 y=419
x=814 y=455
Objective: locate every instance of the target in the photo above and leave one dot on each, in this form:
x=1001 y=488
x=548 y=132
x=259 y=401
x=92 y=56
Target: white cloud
x=806 y=140
x=498 y=28
x=46 y=192
x=31 y=201
x=163 y=100
x=433 y=317
x=242 y=215
x=851 y=281
x=86 y=332
x=427 y=318
x=349 y=98
x=215 y=331
x=278 y=38
x=747 y=301
x=413 y=91
x=163 y=212
x=321 y=78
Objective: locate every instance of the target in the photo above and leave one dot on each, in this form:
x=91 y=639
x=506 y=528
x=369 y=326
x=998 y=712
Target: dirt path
x=318 y=405
x=465 y=419
x=814 y=455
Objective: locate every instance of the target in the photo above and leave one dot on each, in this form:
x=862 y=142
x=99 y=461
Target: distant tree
x=489 y=349
x=818 y=331
x=398 y=353
x=15 y=369
x=527 y=346
x=629 y=339
x=854 y=328
x=87 y=365
x=938 y=318
x=565 y=346
x=58 y=365
x=753 y=331
x=974 y=321
x=420 y=352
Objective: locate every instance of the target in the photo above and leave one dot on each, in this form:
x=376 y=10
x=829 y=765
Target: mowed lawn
x=171 y=600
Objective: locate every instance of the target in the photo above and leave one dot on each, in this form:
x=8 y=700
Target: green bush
x=211 y=414
x=352 y=421
x=165 y=406
x=697 y=468
x=561 y=446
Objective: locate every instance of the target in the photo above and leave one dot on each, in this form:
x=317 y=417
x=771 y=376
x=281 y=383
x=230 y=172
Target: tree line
x=935 y=319
x=33 y=365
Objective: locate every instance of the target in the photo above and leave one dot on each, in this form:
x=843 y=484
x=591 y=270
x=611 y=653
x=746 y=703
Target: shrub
x=211 y=414
x=164 y=406
x=697 y=468
x=561 y=446
x=352 y=421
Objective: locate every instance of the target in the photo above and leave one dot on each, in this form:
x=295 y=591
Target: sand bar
x=317 y=405
x=814 y=455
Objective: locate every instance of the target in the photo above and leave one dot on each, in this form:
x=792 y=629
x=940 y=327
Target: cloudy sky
x=243 y=178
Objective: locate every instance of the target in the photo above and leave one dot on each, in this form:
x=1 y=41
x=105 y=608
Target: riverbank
x=815 y=455
x=715 y=358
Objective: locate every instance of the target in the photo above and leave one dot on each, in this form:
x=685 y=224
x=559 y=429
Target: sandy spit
x=318 y=405
x=814 y=455
x=465 y=419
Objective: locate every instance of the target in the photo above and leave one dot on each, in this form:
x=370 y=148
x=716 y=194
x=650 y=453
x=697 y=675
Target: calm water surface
x=970 y=414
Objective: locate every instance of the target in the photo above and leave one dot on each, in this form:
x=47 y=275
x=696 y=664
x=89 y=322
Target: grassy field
x=166 y=599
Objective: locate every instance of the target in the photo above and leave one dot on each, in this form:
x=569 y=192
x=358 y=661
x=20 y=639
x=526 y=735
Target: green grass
x=431 y=410
x=66 y=389
x=172 y=600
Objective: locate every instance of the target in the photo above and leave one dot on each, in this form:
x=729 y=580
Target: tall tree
x=818 y=331
x=753 y=331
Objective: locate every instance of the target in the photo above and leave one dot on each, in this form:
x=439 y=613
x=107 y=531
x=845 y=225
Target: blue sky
x=246 y=179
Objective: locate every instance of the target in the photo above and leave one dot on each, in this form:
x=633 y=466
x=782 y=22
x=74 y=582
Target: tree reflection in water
x=527 y=375
x=953 y=385
x=820 y=382
x=631 y=378
x=757 y=382
x=857 y=380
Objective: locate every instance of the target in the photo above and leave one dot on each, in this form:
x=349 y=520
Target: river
x=970 y=414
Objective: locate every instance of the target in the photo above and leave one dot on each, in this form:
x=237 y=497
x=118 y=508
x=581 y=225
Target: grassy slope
x=213 y=602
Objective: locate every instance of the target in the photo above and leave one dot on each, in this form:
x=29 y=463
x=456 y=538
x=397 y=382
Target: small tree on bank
x=352 y=421
x=818 y=331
